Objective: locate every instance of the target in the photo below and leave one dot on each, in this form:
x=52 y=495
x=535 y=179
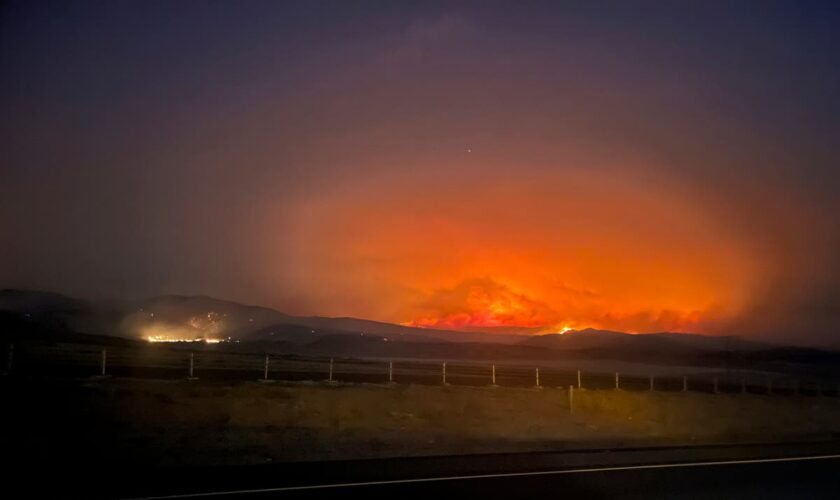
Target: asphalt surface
x=793 y=470
x=812 y=478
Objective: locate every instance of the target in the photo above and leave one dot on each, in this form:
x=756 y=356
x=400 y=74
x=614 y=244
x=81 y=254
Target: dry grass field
x=201 y=423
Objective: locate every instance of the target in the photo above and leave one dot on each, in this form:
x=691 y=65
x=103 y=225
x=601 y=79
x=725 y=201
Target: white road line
x=492 y=476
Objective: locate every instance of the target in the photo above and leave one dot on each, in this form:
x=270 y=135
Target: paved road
x=768 y=471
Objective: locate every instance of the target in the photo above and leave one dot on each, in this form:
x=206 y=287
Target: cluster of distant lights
x=170 y=339
x=163 y=338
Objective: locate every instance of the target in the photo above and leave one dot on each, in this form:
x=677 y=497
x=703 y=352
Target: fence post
x=10 y=358
x=616 y=381
x=265 y=370
x=685 y=383
x=571 y=399
x=330 y=378
x=651 y=383
x=192 y=366
x=579 y=382
x=443 y=373
x=390 y=372
x=103 y=362
x=493 y=375
x=538 y=376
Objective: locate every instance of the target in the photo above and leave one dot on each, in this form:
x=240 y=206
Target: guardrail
x=158 y=361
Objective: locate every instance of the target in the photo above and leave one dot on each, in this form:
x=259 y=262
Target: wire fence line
x=155 y=361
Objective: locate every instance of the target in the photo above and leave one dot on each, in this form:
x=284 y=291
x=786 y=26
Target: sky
x=523 y=167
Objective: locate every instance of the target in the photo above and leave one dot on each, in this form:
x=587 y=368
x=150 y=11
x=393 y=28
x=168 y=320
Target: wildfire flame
x=163 y=338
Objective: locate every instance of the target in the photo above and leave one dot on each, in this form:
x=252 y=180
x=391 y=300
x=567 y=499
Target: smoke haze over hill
x=470 y=166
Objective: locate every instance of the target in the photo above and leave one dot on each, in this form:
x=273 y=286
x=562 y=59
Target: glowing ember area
x=161 y=338
x=517 y=257
x=483 y=304
x=207 y=328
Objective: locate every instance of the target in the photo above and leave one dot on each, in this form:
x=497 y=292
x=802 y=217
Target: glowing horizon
x=478 y=167
x=511 y=257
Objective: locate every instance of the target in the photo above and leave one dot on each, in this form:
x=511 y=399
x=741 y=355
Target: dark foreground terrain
x=116 y=437
x=747 y=471
x=789 y=477
x=803 y=470
x=134 y=423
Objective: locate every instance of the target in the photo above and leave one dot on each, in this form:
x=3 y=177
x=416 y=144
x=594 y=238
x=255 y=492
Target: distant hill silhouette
x=30 y=314
x=660 y=342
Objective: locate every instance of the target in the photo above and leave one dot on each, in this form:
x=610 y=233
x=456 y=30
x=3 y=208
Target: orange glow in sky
x=547 y=253
x=491 y=166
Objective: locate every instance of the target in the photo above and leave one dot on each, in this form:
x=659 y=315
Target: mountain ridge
x=202 y=316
